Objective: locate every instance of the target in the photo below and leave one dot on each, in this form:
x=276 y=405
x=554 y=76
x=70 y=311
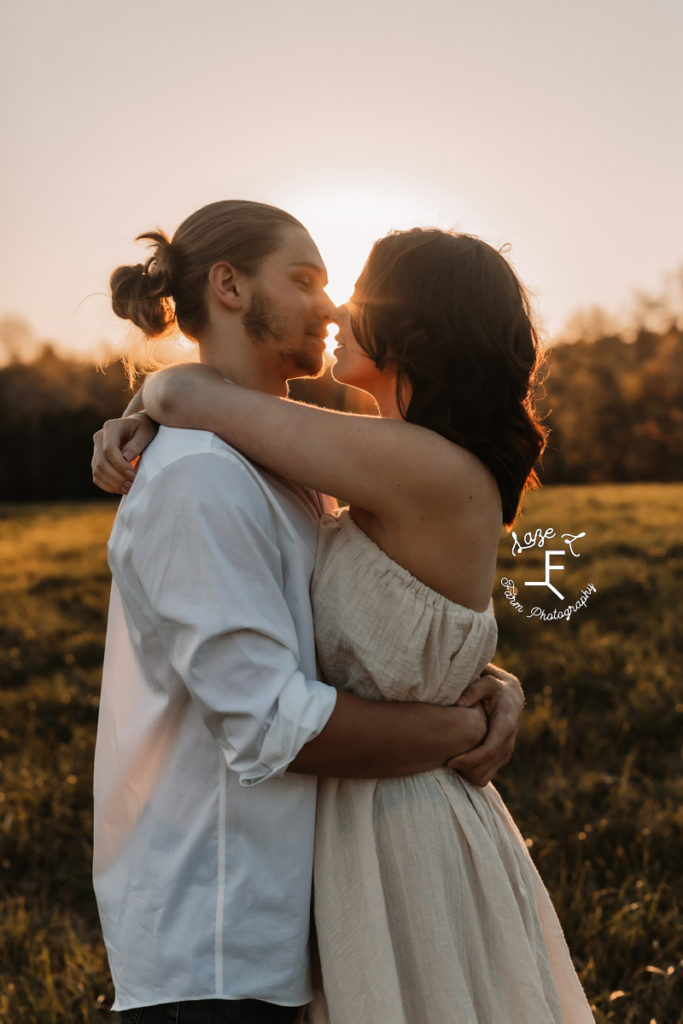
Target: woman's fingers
x=110 y=470
x=115 y=447
x=104 y=475
x=143 y=430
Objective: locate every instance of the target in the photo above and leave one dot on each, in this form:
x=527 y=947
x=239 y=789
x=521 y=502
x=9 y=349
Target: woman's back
x=448 y=541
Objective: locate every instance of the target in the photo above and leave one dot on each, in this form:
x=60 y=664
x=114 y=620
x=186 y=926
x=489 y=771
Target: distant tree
x=614 y=408
x=50 y=410
x=18 y=343
x=589 y=324
x=52 y=406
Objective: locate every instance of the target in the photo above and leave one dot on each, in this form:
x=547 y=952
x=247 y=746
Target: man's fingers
x=489 y=754
x=481 y=764
x=479 y=773
x=497 y=673
x=478 y=690
x=503 y=699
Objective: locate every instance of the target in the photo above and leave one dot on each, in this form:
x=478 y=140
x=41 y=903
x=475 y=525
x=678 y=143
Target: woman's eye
x=305 y=281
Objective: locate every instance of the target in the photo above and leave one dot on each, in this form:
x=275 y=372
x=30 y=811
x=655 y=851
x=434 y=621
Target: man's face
x=289 y=311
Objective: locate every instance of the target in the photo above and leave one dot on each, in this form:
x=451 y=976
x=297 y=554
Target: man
x=213 y=723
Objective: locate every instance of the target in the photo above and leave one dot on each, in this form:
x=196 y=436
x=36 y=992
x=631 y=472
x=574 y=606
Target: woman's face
x=353 y=366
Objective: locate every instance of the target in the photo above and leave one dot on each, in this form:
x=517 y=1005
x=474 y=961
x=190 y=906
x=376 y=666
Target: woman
x=428 y=907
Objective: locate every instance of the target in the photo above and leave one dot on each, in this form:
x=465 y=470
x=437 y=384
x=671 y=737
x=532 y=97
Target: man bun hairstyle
x=170 y=286
x=142 y=293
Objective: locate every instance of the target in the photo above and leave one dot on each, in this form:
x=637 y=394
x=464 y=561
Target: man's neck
x=244 y=368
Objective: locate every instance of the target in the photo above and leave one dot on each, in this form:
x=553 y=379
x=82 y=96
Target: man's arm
x=376 y=739
x=496 y=697
x=500 y=694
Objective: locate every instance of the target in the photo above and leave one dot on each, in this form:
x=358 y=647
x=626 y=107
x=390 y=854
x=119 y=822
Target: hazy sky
x=553 y=126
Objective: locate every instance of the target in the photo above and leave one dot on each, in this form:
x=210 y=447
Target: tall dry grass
x=595 y=783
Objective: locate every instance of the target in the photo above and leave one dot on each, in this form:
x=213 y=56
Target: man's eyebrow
x=312 y=266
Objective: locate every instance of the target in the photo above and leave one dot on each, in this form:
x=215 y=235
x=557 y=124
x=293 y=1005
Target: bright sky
x=554 y=126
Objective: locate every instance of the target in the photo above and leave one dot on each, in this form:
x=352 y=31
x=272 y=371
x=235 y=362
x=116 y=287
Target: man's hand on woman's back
x=503 y=699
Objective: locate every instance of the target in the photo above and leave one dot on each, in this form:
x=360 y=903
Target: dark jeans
x=212 y=1011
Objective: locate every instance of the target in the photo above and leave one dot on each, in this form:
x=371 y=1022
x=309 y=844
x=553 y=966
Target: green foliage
x=615 y=410
x=53 y=405
x=594 y=784
x=51 y=408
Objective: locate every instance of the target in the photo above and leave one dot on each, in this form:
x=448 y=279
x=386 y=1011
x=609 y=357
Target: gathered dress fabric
x=428 y=907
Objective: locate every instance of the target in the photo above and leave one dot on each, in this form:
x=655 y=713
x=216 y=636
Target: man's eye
x=306 y=281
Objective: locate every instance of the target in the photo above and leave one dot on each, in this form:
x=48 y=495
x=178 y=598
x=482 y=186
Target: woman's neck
x=384 y=393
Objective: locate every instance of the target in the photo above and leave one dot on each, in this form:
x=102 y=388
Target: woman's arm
x=373 y=462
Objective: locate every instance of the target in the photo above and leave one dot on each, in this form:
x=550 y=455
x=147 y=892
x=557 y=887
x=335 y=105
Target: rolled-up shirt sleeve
x=212 y=571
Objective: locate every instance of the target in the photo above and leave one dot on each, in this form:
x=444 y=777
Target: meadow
x=595 y=782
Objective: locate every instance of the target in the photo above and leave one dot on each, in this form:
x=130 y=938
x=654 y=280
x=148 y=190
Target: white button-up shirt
x=203 y=877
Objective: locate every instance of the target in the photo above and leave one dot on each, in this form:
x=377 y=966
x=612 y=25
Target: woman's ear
x=226 y=283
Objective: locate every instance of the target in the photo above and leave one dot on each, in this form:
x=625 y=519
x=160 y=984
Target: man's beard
x=263 y=323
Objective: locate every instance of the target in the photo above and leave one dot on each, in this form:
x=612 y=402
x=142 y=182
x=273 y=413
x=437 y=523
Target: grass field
x=595 y=783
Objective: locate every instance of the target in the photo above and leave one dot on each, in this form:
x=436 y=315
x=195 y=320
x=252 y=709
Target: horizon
x=551 y=129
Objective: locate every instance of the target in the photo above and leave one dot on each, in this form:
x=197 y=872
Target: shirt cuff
x=294 y=724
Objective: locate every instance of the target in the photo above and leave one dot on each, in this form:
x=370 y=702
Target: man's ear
x=227 y=284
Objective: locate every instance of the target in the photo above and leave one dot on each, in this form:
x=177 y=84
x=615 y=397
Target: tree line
x=614 y=409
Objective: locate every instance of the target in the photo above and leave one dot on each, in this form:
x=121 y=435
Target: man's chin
x=306 y=374
x=310 y=368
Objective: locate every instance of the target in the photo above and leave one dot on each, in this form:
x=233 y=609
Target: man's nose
x=328 y=308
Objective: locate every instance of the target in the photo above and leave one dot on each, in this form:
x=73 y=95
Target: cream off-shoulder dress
x=428 y=907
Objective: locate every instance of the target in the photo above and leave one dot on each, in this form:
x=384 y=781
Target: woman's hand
x=501 y=696
x=115 y=446
x=177 y=396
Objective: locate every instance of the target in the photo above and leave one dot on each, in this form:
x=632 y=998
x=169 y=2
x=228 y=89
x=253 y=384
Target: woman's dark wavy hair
x=448 y=313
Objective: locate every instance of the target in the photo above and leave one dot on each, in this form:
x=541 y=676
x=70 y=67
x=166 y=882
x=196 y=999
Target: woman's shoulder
x=450 y=476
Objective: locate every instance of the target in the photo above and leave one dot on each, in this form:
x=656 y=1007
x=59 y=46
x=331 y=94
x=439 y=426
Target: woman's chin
x=341 y=377
x=349 y=380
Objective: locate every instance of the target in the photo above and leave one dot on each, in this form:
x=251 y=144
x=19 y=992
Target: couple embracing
x=297 y=693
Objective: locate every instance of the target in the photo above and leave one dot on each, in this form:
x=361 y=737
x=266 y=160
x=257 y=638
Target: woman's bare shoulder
x=450 y=476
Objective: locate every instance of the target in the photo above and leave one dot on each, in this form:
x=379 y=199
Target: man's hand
x=115 y=446
x=501 y=695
